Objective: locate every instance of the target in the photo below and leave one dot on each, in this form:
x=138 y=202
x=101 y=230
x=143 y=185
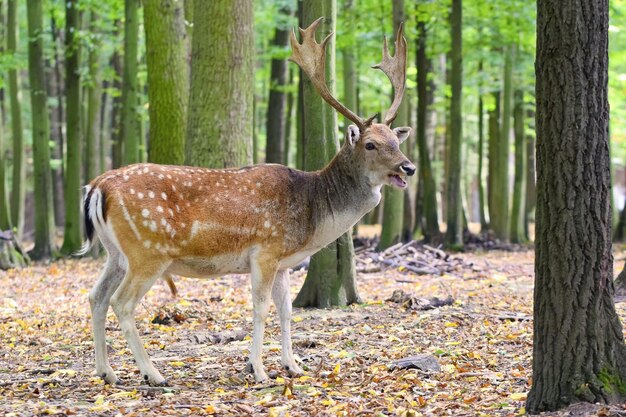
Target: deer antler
x=395 y=69
x=311 y=57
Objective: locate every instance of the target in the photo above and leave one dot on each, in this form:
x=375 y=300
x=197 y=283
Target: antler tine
x=395 y=69
x=311 y=57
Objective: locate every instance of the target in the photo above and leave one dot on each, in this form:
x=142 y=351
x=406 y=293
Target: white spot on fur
x=151 y=194
x=140 y=196
x=267 y=224
x=153 y=226
x=146 y=170
x=164 y=196
x=171 y=212
x=147 y=243
x=132 y=191
x=161 y=176
x=145 y=212
x=159 y=209
x=163 y=222
x=126 y=177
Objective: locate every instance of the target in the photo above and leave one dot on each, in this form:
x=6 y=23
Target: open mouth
x=396 y=180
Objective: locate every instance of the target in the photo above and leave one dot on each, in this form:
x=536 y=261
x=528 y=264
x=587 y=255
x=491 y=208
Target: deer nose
x=408 y=168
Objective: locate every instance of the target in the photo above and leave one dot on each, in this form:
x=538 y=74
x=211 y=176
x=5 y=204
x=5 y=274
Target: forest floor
x=483 y=343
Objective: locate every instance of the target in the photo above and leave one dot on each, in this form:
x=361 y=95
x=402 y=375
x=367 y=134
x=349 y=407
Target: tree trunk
x=130 y=130
x=168 y=79
x=492 y=151
x=430 y=224
x=276 y=115
x=331 y=279
x=18 y=188
x=115 y=121
x=54 y=73
x=44 y=222
x=531 y=190
x=517 y=211
x=72 y=238
x=94 y=93
x=484 y=224
x=454 y=233
x=393 y=206
x=500 y=221
x=220 y=124
x=5 y=215
x=578 y=350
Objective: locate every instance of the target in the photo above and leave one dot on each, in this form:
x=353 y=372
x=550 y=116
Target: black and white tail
x=93 y=210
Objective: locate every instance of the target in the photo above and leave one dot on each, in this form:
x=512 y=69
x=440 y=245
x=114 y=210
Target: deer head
x=375 y=145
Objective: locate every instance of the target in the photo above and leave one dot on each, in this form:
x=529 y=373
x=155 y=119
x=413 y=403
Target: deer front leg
x=282 y=300
x=131 y=290
x=263 y=274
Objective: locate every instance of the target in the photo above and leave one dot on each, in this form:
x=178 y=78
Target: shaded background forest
x=78 y=97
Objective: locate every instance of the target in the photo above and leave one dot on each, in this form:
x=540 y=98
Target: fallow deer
x=157 y=220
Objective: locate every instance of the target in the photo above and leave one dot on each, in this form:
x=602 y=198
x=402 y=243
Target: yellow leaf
x=177 y=363
x=328 y=401
x=451 y=324
x=304 y=378
x=518 y=396
x=287 y=392
x=209 y=409
x=278 y=411
x=450 y=369
x=522 y=411
x=124 y=394
x=337 y=369
x=99 y=399
x=297 y=319
x=280 y=380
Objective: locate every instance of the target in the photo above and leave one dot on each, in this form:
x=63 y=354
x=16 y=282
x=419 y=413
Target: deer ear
x=402 y=133
x=352 y=135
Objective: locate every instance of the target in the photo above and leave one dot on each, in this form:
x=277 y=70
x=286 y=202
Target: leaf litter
x=481 y=344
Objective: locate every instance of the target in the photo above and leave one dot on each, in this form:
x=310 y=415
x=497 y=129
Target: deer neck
x=345 y=187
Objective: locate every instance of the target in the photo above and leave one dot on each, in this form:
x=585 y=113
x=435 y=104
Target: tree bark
x=484 y=224
x=517 y=210
x=531 y=190
x=72 y=239
x=276 y=115
x=220 y=124
x=18 y=189
x=5 y=215
x=44 y=223
x=454 y=232
x=331 y=279
x=578 y=350
x=430 y=222
x=130 y=130
x=168 y=80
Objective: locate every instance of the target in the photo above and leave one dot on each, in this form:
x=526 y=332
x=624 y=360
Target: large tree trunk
x=72 y=239
x=42 y=178
x=276 y=115
x=517 y=211
x=54 y=73
x=393 y=202
x=220 y=124
x=430 y=224
x=331 y=279
x=168 y=80
x=454 y=220
x=18 y=188
x=130 y=130
x=5 y=215
x=578 y=350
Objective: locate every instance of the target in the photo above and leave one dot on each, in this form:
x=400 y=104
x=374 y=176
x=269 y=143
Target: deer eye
x=370 y=146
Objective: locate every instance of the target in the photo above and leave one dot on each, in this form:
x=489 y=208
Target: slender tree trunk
x=72 y=239
x=44 y=222
x=18 y=188
x=578 y=350
x=494 y=136
x=276 y=115
x=393 y=203
x=168 y=79
x=531 y=190
x=484 y=224
x=5 y=215
x=454 y=233
x=94 y=102
x=56 y=88
x=116 y=118
x=430 y=226
x=331 y=279
x=130 y=131
x=220 y=124
x=517 y=211
x=289 y=120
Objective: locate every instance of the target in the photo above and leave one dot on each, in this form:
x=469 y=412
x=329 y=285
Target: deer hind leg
x=134 y=286
x=263 y=274
x=282 y=300
x=99 y=299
